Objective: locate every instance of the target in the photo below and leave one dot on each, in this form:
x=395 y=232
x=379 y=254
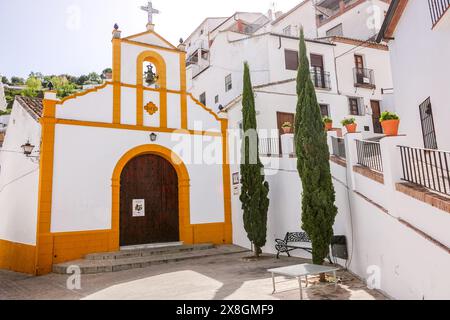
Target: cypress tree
x=318 y=208
x=255 y=190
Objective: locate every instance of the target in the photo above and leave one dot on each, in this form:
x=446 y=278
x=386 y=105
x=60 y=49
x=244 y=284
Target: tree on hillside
x=17 y=81
x=94 y=78
x=82 y=80
x=5 y=80
x=318 y=208
x=33 y=87
x=105 y=73
x=255 y=190
x=62 y=86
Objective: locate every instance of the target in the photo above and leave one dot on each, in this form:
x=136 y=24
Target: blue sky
x=74 y=36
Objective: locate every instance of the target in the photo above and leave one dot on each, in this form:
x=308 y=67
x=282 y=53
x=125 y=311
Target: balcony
x=321 y=80
x=369 y=155
x=327 y=10
x=437 y=9
x=338 y=145
x=426 y=168
x=269 y=147
x=364 y=78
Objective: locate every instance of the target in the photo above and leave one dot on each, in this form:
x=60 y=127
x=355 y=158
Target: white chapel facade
x=116 y=165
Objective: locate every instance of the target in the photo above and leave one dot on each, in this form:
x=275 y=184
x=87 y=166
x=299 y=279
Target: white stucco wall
x=410 y=265
x=82 y=188
x=3 y=104
x=304 y=16
x=85 y=156
x=19 y=179
x=361 y=22
x=420 y=70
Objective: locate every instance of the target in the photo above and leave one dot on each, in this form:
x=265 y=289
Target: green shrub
x=348 y=121
x=386 y=115
x=327 y=120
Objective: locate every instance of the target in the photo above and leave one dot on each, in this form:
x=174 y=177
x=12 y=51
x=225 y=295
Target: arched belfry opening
x=150 y=75
x=157 y=76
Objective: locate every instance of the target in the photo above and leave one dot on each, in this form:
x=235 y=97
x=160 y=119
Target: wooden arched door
x=148 y=201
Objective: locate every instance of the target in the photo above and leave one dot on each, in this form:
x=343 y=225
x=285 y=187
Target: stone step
x=136 y=253
x=115 y=265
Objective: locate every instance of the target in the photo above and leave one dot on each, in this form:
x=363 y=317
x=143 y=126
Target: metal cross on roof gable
x=150 y=10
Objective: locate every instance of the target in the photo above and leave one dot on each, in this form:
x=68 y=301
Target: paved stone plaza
x=218 y=277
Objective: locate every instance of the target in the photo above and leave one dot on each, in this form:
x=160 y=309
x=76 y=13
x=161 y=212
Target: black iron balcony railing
x=338 y=147
x=321 y=79
x=437 y=9
x=369 y=155
x=269 y=147
x=426 y=167
x=364 y=77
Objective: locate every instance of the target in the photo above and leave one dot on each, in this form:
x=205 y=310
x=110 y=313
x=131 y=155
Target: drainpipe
x=335 y=71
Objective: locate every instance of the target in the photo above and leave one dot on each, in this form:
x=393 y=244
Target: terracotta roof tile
x=34 y=106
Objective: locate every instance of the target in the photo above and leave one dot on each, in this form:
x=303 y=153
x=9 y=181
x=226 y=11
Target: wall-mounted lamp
x=153 y=137
x=27 y=149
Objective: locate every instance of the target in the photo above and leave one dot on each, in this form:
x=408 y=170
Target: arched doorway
x=149 y=201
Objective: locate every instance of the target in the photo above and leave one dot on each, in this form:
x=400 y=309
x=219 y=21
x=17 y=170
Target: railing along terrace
x=363 y=77
x=321 y=79
x=437 y=9
x=269 y=146
x=369 y=155
x=338 y=147
x=427 y=168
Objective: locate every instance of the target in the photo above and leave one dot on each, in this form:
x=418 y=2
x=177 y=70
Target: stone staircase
x=142 y=258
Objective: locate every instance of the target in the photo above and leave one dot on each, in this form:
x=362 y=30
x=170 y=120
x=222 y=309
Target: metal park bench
x=293 y=241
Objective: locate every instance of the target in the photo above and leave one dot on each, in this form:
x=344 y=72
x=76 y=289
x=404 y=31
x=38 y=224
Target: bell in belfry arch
x=150 y=75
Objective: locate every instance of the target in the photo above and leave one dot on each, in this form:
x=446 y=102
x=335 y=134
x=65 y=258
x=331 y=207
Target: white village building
x=3 y=104
x=114 y=166
x=395 y=226
x=418 y=36
x=352 y=76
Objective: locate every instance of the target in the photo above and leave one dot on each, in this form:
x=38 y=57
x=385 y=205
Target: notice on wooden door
x=138 y=207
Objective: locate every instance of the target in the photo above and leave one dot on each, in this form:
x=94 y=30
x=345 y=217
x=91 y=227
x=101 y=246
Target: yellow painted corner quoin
x=65 y=246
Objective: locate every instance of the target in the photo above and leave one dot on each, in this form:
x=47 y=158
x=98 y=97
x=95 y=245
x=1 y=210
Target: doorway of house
x=376 y=114
x=149 y=211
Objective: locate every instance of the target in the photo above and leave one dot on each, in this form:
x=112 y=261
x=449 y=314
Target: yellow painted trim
x=151 y=46
x=186 y=230
x=44 y=243
x=204 y=107
x=160 y=64
x=70 y=246
x=17 y=257
x=134 y=127
x=83 y=93
x=228 y=231
x=117 y=90
x=210 y=233
x=183 y=94
x=150 y=32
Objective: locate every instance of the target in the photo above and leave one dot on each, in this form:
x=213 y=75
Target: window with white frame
x=203 y=98
x=228 y=83
x=356 y=106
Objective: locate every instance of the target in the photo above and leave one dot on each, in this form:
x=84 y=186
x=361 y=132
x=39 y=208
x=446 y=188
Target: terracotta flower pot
x=351 y=128
x=328 y=126
x=287 y=130
x=390 y=127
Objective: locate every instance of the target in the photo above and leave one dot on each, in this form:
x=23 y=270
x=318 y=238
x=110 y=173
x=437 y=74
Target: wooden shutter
x=291 y=59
